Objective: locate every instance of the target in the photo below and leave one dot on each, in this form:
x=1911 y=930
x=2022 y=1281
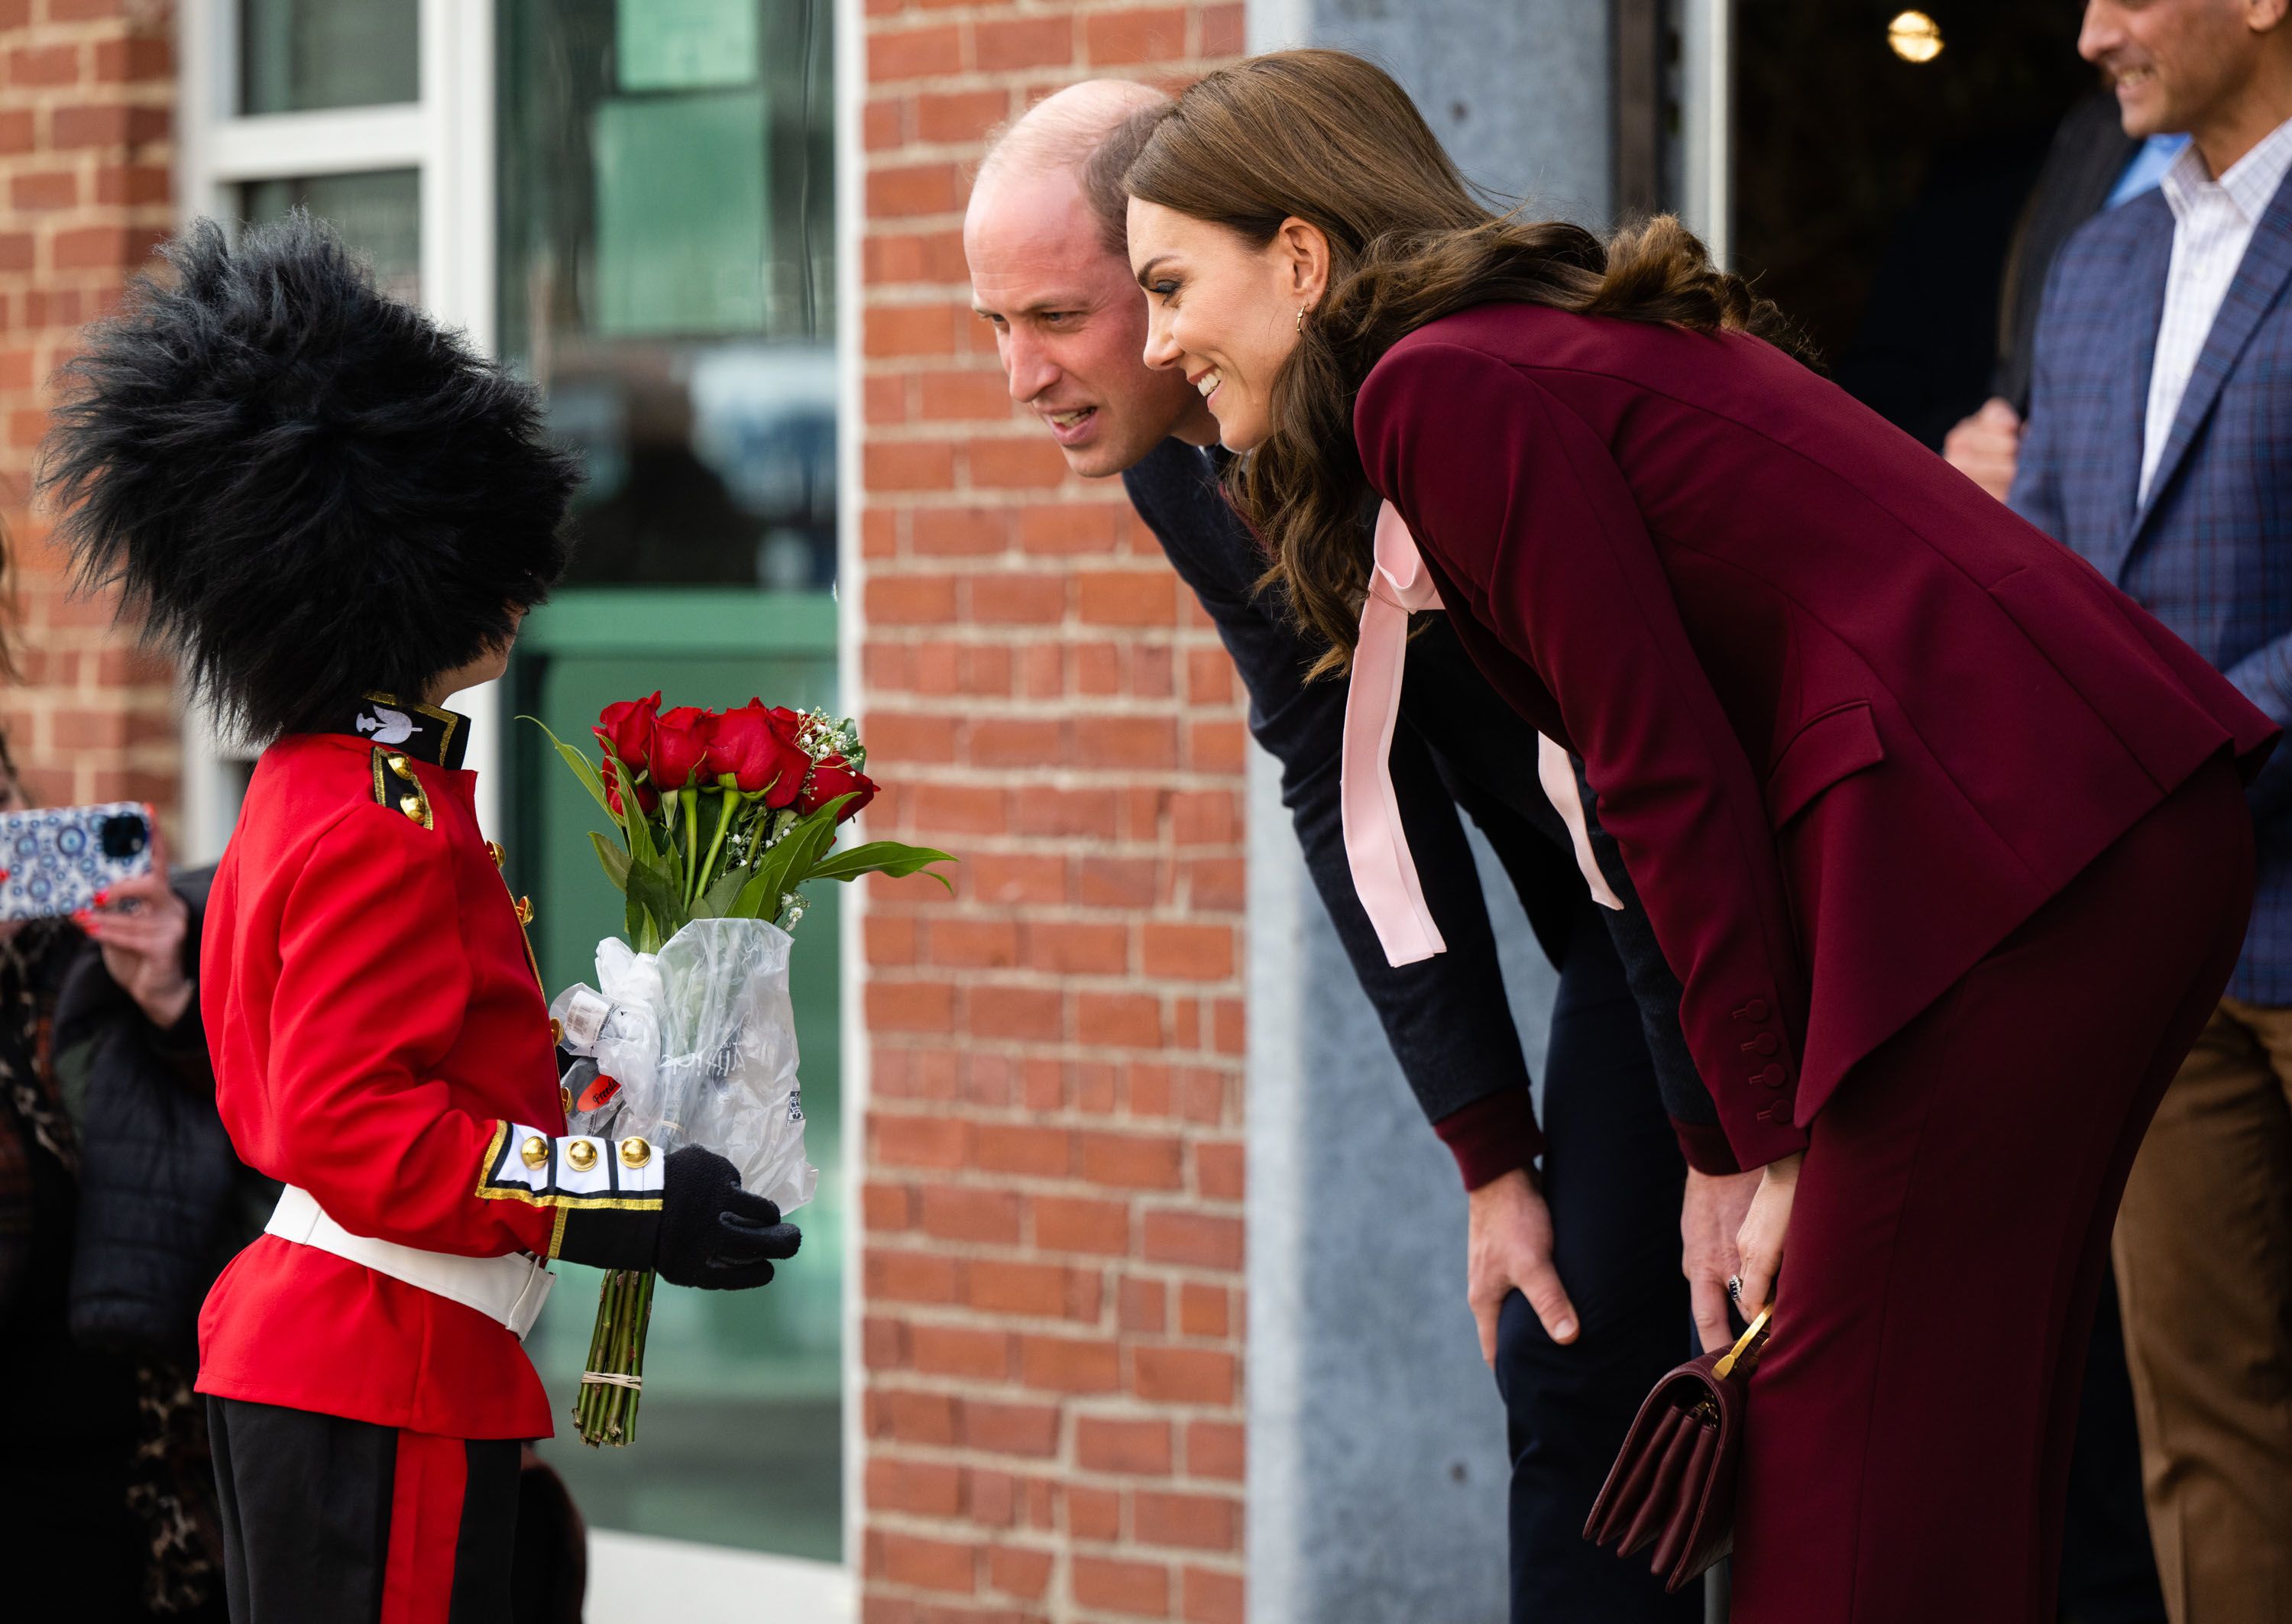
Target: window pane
x=668 y=278
x=379 y=214
x=294 y=55
x=668 y=201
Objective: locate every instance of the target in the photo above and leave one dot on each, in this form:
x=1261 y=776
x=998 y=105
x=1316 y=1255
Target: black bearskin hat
x=306 y=490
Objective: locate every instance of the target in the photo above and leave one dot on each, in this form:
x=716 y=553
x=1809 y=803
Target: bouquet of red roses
x=734 y=811
x=688 y=1037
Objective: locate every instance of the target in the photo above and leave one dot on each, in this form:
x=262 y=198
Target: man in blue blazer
x=2159 y=448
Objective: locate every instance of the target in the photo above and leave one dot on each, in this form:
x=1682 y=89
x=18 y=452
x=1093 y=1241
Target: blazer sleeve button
x=1766 y=1043
x=1772 y=1077
x=1755 y=1010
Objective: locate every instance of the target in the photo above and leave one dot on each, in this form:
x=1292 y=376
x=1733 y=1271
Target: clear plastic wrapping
x=700 y=1040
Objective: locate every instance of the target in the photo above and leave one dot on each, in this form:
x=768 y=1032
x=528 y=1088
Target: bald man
x=1574 y=1269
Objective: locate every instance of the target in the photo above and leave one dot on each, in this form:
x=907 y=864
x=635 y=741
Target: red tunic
x=373 y=1018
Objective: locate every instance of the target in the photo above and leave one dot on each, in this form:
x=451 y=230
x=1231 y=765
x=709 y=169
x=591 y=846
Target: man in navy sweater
x=1574 y=1270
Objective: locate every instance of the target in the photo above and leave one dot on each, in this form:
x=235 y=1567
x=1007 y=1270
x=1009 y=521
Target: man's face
x=2174 y=63
x=1069 y=323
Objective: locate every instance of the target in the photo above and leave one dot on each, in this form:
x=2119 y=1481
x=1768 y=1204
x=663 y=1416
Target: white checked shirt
x=2213 y=223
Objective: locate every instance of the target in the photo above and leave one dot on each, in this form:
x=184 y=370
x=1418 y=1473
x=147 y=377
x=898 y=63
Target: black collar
x=423 y=732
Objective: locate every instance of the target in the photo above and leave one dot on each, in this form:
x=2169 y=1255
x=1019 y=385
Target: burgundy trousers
x=1907 y=1443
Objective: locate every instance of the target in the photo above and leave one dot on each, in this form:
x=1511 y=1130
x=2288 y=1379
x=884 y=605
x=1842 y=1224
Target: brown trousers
x=2204 y=1267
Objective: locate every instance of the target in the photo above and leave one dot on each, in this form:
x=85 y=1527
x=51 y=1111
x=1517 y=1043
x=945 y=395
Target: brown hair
x=1327 y=138
x=1103 y=174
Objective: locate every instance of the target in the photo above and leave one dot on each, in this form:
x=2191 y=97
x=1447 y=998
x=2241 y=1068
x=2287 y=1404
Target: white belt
x=509 y=1289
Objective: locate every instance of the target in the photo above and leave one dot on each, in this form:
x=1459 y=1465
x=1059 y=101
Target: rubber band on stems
x=612 y=1376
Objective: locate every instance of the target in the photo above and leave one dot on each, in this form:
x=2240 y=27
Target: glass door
x=741 y=1440
x=666 y=228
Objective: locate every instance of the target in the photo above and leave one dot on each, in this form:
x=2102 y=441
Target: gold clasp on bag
x=1746 y=1347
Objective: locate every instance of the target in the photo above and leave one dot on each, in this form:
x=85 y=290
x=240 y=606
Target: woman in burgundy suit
x=1941 y=834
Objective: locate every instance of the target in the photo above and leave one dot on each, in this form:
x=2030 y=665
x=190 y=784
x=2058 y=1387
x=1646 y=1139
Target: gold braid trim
x=493 y=1154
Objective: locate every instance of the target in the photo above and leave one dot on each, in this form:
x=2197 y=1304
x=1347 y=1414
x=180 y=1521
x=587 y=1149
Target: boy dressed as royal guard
x=334 y=515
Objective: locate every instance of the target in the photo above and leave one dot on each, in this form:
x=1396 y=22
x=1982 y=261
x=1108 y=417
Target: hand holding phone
x=53 y=860
x=141 y=925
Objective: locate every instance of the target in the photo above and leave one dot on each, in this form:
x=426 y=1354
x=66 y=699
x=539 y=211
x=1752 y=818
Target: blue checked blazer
x=2210 y=553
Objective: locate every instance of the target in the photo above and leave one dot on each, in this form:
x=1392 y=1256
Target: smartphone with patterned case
x=56 y=858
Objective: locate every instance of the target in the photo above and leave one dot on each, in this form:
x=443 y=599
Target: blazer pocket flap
x=1834 y=745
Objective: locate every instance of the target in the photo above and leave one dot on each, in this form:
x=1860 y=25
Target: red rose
x=647 y=797
x=745 y=747
x=833 y=777
x=680 y=744
x=625 y=730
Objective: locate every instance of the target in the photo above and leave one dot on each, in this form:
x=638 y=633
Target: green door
x=741 y=1437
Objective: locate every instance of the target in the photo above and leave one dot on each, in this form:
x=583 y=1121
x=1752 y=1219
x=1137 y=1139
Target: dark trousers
x=1908 y=1440
x=326 y=1521
x=2109 y=1568
x=1613 y=1178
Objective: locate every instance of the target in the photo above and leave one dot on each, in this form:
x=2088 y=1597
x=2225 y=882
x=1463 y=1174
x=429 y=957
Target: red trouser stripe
x=426 y=1526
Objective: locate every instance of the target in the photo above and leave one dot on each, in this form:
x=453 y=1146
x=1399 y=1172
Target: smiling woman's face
x=1220 y=311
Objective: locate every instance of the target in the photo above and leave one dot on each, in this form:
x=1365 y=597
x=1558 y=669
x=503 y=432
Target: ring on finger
x=1735 y=1289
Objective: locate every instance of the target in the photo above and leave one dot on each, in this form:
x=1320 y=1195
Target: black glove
x=713 y=1235
x=703 y=1229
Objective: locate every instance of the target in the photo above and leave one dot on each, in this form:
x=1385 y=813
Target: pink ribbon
x=1557 y=773
x=1376 y=846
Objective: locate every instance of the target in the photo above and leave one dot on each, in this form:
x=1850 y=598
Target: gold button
x=635 y=1153
x=397 y=765
x=564 y=1099
x=411 y=805
x=525 y=910
x=556 y=1030
x=534 y=1150
x=581 y=1154
x=494 y=850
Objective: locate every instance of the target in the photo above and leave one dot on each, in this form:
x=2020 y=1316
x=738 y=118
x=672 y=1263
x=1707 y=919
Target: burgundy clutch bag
x=1673 y=1486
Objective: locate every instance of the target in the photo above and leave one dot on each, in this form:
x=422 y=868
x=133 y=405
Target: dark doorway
x=1878 y=197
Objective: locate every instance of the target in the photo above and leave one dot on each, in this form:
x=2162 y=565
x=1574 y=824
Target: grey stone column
x=1377 y=1467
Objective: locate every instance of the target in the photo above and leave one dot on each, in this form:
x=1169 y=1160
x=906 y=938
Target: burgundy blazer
x=1850 y=720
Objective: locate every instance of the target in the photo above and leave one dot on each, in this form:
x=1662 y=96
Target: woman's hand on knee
x=1760 y=1241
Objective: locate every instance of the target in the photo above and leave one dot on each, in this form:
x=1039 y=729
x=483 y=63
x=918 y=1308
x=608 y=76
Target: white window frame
x=447 y=138
x=1706 y=124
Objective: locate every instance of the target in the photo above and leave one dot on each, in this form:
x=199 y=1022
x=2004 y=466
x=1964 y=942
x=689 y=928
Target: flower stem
x=732 y=800
x=607 y=1411
x=691 y=800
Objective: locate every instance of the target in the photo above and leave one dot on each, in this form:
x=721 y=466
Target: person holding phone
x=120 y=1199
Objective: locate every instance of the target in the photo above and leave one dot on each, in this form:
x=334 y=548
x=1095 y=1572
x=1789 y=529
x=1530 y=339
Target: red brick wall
x=1052 y=1217
x=87 y=96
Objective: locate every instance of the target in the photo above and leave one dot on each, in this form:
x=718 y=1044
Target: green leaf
x=883 y=857
x=720 y=897
x=810 y=840
x=765 y=883
x=656 y=893
x=615 y=859
x=579 y=763
x=782 y=868
x=638 y=825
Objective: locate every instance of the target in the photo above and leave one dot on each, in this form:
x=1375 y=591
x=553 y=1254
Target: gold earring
x=1301 y=318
